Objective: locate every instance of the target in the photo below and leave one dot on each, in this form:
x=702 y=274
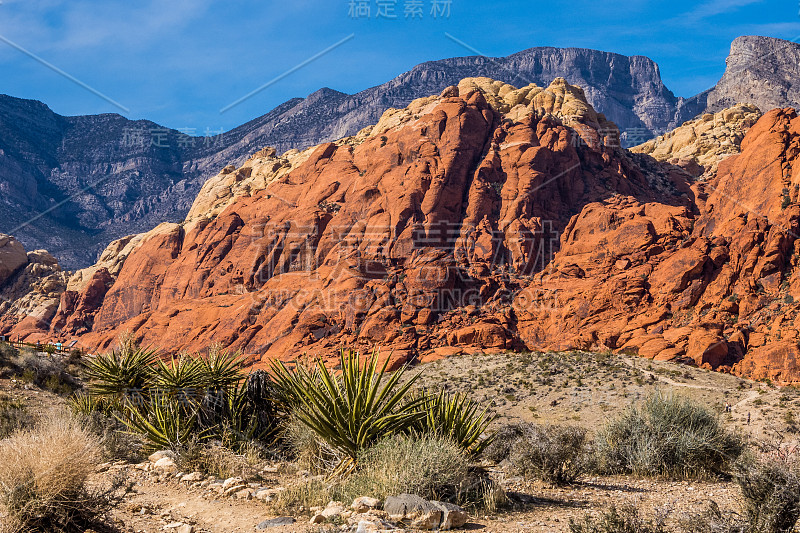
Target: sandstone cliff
x=74 y=184
x=490 y=217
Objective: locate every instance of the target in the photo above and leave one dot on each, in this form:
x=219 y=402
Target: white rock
x=365 y=503
x=231 y=481
x=161 y=454
x=194 y=476
x=165 y=464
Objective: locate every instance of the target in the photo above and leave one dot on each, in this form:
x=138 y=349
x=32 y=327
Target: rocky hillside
x=74 y=184
x=760 y=70
x=487 y=216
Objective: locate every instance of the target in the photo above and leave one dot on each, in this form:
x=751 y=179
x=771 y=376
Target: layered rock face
x=31 y=285
x=700 y=144
x=490 y=217
x=376 y=238
x=761 y=70
x=74 y=184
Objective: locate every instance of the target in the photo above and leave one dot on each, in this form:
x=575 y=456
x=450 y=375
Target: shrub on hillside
x=13 y=415
x=552 y=453
x=667 y=436
x=43 y=479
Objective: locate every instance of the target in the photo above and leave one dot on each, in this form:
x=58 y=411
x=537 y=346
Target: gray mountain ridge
x=73 y=184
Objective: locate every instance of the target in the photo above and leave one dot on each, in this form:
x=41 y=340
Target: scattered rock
x=276 y=522
x=364 y=504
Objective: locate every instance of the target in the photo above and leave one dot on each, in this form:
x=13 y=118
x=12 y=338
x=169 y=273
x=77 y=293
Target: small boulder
x=161 y=454
x=165 y=464
x=418 y=512
x=276 y=522
x=365 y=503
x=453 y=516
x=193 y=477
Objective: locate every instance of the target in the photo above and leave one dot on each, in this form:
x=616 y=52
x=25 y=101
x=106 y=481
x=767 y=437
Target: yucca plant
x=221 y=369
x=120 y=373
x=85 y=404
x=163 y=420
x=241 y=422
x=181 y=377
x=352 y=411
x=459 y=418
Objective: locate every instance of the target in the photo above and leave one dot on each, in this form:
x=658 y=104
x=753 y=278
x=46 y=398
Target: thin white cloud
x=716 y=7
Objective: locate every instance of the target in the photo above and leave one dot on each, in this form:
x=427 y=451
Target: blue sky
x=179 y=62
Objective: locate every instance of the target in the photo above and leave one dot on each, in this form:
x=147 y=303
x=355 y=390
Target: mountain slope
x=74 y=184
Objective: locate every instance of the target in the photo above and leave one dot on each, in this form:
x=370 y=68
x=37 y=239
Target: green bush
x=352 y=411
x=552 y=453
x=430 y=466
x=625 y=519
x=770 y=487
x=667 y=436
x=458 y=418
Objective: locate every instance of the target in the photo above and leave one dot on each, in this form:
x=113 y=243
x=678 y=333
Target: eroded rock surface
x=489 y=216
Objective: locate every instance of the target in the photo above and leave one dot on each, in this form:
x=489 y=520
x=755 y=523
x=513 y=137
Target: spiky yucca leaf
x=352 y=411
x=85 y=404
x=120 y=373
x=180 y=377
x=459 y=418
x=163 y=420
x=221 y=369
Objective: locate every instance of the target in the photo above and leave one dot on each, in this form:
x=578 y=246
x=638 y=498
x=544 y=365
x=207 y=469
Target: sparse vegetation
x=43 y=480
x=622 y=519
x=552 y=453
x=667 y=436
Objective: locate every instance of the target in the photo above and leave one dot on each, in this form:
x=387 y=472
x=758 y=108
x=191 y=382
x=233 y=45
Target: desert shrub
x=552 y=453
x=43 y=479
x=13 y=415
x=48 y=373
x=307 y=450
x=667 y=436
x=770 y=487
x=121 y=374
x=428 y=465
x=169 y=402
x=459 y=418
x=7 y=354
x=215 y=459
x=623 y=519
x=352 y=411
x=164 y=421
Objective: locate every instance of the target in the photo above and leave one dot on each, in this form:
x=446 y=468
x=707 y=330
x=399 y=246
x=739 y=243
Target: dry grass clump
x=771 y=490
x=427 y=465
x=220 y=461
x=43 y=480
x=553 y=453
x=667 y=436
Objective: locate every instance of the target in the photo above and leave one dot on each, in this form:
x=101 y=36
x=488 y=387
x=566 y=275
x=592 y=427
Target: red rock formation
x=456 y=222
